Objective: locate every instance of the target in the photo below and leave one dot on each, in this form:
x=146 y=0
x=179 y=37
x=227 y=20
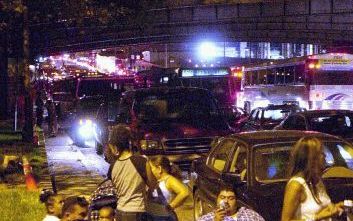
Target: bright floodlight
x=207 y=50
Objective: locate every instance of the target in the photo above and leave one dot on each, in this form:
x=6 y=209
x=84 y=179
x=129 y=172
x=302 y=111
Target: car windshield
x=100 y=87
x=175 y=105
x=337 y=124
x=280 y=113
x=89 y=104
x=274 y=114
x=272 y=161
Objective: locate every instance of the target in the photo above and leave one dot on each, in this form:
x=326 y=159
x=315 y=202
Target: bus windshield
x=217 y=85
x=218 y=80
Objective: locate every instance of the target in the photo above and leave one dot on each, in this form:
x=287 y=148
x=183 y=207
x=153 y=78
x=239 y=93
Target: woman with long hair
x=170 y=192
x=305 y=196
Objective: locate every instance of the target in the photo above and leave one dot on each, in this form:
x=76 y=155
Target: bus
x=322 y=81
x=223 y=82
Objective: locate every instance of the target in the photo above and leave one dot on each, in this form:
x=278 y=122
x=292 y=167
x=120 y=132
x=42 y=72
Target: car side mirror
x=233 y=178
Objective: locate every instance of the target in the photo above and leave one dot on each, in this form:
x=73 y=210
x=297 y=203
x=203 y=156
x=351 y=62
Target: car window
x=299 y=123
x=102 y=112
x=124 y=111
x=289 y=123
x=253 y=114
x=219 y=156
x=112 y=111
x=337 y=124
x=239 y=161
x=274 y=114
x=272 y=161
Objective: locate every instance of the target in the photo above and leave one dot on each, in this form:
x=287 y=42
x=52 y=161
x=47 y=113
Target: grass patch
x=18 y=204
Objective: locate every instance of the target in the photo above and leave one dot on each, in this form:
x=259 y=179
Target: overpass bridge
x=327 y=22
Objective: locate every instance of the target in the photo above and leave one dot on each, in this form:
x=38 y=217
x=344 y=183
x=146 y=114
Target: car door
x=239 y=164
x=209 y=180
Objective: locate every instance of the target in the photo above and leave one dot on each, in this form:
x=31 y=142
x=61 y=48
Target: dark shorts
x=131 y=216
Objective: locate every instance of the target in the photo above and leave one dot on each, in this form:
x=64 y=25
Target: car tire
x=198 y=205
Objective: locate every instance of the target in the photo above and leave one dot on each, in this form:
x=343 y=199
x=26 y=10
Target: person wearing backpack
x=131 y=175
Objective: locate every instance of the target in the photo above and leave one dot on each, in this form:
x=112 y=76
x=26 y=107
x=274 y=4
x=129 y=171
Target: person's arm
x=181 y=191
x=151 y=179
x=292 y=198
x=329 y=211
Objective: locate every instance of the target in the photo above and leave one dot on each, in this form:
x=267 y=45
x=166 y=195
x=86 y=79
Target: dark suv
x=177 y=122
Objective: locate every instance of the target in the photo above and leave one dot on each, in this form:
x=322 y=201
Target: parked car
x=255 y=164
x=335 y=122
x=266 y=118
x=177 y=122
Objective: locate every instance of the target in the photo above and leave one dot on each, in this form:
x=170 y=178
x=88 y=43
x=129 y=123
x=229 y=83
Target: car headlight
x=86 y=129
x=87 y=122
x=149 y=144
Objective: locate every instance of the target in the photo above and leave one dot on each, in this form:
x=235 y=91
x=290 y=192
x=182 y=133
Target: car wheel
x=99 y=148
x=198 y=205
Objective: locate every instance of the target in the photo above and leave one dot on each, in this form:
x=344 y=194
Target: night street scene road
x=167 y=110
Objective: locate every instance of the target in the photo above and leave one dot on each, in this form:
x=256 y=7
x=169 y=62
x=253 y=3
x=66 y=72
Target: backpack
x=104 y=195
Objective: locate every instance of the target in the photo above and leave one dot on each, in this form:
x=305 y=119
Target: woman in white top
x=305 y=196
x=170 y=192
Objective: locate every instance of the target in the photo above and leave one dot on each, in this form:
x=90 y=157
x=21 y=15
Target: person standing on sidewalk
x=39 y=109
x=131 y=175
x=52 y=121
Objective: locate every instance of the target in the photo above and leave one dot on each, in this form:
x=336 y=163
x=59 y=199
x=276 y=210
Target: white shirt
x=51 y=218
x=310 y=207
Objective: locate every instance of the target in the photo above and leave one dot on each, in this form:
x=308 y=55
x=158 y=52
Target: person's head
x=119 y=139
x=106 y=214
x=74 y=208
x=52 y=201
x=161 y=164
x=308 y=158
x=227 y=195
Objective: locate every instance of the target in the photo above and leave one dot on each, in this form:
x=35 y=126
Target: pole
x=28 y=128
x=166 y=56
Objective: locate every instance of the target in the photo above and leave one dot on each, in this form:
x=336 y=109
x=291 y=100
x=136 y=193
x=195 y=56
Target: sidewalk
x=68 y=166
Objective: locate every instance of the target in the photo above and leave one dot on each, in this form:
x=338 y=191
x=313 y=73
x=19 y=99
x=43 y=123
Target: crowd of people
x=147 y=189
